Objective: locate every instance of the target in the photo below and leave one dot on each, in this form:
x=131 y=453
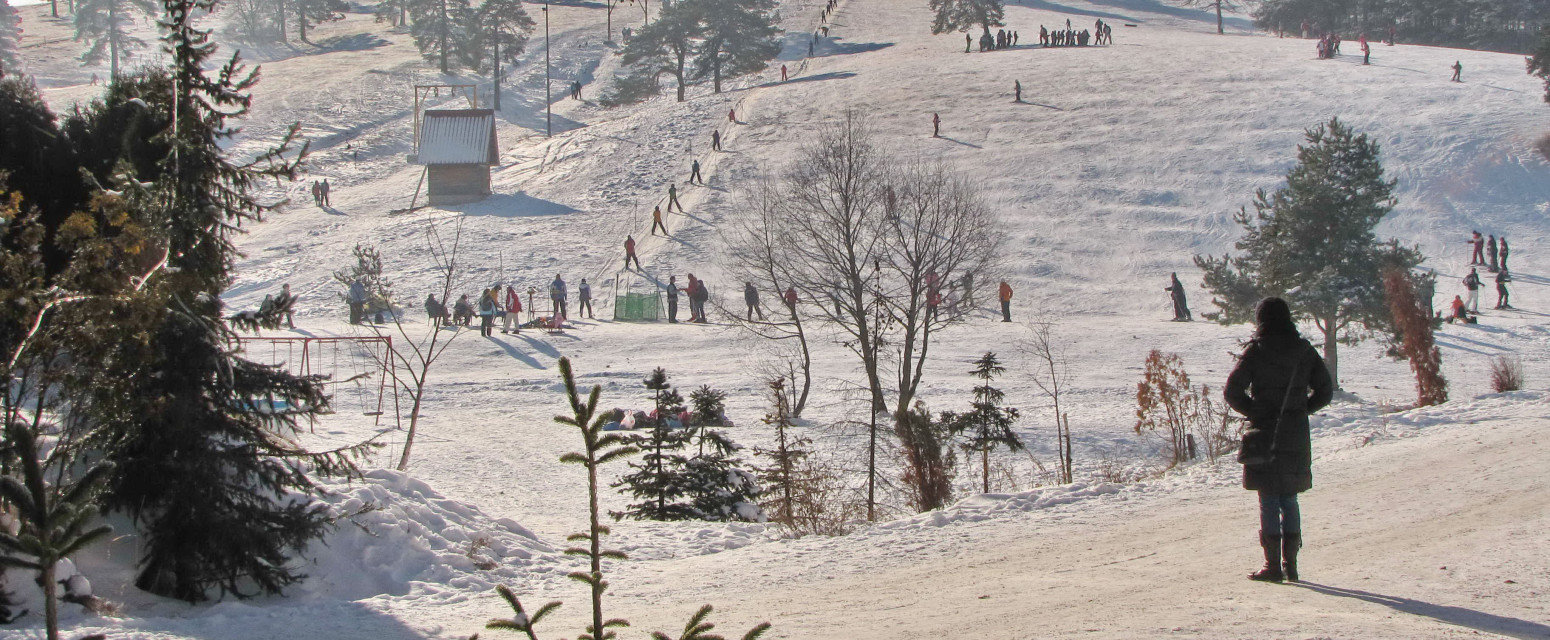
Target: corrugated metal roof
x=464 y=136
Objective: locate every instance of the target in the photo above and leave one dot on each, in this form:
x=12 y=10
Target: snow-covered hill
x=1123 y=162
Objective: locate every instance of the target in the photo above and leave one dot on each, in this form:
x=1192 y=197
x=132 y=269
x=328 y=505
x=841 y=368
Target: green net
x=637 y=307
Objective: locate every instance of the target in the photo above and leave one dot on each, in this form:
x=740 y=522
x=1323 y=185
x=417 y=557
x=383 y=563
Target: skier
x=1479 y=244
x=1472 y=284
x=968 y=43
x=629 y=252
x=791 y=300
x=1017 y=91
x=1502 y=278
x=672 y=199
x=557 y=297
x=1490 y=253
x=1006 y=302
x=584 y=299
x=732 y=115
x=1366 y=53
x=967 y=282
x=513 y=308
x=1503 y=243
x=357 y=300
x=1277 y=453
x=1458 y=70
x=936 y=125
x=487 y=313
x=715 y=140
x=656 y=221
x=1180 y=306
x=693 y=292
x=782 y=73
x=751 y=298
x=1460 y=312
x=700 y=297
x=694 y=173
x=672 y=299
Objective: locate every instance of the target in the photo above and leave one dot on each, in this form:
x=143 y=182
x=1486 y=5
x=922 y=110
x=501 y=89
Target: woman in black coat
x=1279 y=380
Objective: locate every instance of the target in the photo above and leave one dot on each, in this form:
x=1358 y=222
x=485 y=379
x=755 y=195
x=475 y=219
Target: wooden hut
x=457 y=147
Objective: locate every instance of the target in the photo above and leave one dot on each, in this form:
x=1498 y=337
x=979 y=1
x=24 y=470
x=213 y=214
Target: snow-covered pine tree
x=709 y=405
x=500 y=29
x=989 y=425
x=10 y=38
x=105 y=25
x=962 y=15
x=663 y=46
x=659 y=481
x=740 y=37
x=1312 y=243
x=717 y=486
x=440 y=28
x=203 y=440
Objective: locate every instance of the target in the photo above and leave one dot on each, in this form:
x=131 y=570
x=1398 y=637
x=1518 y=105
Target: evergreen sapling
x=988 y=426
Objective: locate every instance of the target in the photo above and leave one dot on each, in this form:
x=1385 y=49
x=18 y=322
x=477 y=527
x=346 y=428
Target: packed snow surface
x=1121 y=163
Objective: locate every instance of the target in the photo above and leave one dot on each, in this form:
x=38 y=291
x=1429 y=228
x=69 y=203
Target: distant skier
x=1006 y=302
x=968 y=42
x=672 y=199
x=1490 y=254
x=1478 y=242
x=782 y=73
x=629 y=252
x=656 y=222
x=1017 y=91
x=1472 y=285
x=732 y=115
x=694 y=173
x=1458 y=71
x=1366 y=53
x=557 y=296
x=1180 y=306
x=751 y=298
x=715 y=140
x=513 y=310
x=672 y=299
x=1504 y=250
x=1502 y=278
x=584 y=299
x=936 y=125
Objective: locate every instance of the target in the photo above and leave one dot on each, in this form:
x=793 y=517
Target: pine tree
x=709 y=406
x=962 y=15
x=1539 y=60
x=440 y=28
x=928 y=457
x=664 y=46
x=718 y=488
x=988 y=426
x=203 y=440
x=783 y=478
x=105 y=25
x=659 y=481
x=501 y=27
x=395 y=12
x=10 y=38
x=740 y=37
x=1312 y=243
x=367 y=270
x=311 y=12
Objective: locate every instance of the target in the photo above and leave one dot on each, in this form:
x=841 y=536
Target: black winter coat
x=1256 y=389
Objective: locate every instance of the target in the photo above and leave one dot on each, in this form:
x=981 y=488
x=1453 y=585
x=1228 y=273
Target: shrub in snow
x=1506 y=374
x=928 y=456
x=1168 y=405
x=1416 y=344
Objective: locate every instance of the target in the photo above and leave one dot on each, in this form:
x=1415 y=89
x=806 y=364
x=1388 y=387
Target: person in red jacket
x=1006 y=302
x=629 y=252
x=513 y=307
x=791 y=299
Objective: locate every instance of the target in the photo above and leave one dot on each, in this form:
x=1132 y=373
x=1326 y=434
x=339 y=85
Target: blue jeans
x=1278 y=514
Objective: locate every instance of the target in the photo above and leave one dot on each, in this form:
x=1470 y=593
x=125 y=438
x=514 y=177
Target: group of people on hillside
x=508 y=307
x=1329 y=46
x=1102 y=33
x=1491 y=253
x=1002 y=39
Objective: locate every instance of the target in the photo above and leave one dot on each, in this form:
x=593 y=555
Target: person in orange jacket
x=1006 y=302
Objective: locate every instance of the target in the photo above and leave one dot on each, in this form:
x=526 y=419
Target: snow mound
x=397 y=535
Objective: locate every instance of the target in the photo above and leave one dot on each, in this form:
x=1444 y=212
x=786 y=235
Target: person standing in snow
x=325 y=192
x=1503 y=243
x=694 y=173
x=584 y=299
x=1479 y=244
x=286 y=303
x=782 y=73
x=1278 y=382
x=715 y=140
x=656 y=222
x=513 y=310
x=672 y=199
x=629 y=252
x=1472 y=285
x=557 y=296
x=487 y=313
x=699 y=298
x=1502 y=278
x=357 y=300
x=751 y=298
x=1017 y=91
x=1490 y=253
x=1458 y=70
x=1366 y=52
x=672 y=299
x=968 y=43
x=1180 y=306
x=1006 y=301
x=936 y=125
x=732 y=115
x=791 y=300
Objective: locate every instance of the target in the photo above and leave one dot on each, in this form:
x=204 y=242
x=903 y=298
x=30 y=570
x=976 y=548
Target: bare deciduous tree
x=760 y=256
x=1051 y=372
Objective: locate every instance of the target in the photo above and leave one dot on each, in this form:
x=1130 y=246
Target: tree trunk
x=680 y=74
x=114 y=30
x=1219 y=30
x=717 y=73
x=301 y=24
x=443 y=33
x=1331 y=349
x=50 y=603
x=807 y=371
x=414 y=421
x=597 y=551
x=985 y=466
x=280 y=19
x=497 y=77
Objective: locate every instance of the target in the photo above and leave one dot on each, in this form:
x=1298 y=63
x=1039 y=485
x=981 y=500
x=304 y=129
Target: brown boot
x=1271 y=543
x=1290 y=543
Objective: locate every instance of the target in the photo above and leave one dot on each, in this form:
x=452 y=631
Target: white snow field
x=1123 y=162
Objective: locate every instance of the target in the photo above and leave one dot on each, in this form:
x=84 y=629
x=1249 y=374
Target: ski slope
x=1123 y=162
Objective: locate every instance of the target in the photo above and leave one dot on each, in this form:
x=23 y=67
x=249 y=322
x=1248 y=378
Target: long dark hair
x=1273 y=317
